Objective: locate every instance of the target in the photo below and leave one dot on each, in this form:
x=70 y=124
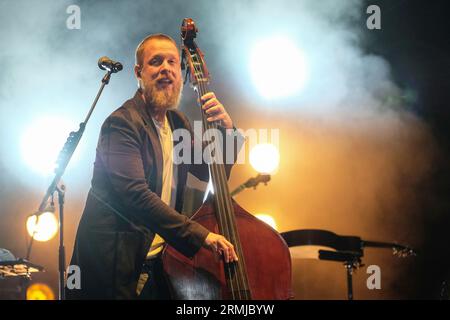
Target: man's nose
x=165 y=67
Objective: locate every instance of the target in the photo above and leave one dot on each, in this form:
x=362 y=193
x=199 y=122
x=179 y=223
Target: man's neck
x=157 y=114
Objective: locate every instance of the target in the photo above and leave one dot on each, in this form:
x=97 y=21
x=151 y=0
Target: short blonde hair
x=139 y=54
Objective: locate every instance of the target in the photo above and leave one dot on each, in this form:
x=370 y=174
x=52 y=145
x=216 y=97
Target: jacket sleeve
x=119 y=150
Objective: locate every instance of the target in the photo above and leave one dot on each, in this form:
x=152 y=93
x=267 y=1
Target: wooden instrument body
x=266 y=255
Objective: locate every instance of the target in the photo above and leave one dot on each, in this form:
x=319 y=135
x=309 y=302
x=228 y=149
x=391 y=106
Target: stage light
x=42 y=141
x=264 y=158
x=40 y=291
x=43 y=228
x=267 y=219
x=278 y=67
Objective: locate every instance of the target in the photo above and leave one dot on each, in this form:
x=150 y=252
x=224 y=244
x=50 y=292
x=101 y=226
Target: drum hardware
x=10 y=267
x=326 y=245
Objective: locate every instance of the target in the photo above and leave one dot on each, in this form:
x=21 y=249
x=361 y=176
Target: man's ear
x=137 y=71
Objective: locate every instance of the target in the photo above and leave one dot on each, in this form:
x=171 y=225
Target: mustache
x=164 y=78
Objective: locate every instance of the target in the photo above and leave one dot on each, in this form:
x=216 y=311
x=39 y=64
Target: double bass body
x=266 y=255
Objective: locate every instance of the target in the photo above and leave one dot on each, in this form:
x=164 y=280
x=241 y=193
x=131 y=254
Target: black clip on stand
x=61 y=164
x=352 y=261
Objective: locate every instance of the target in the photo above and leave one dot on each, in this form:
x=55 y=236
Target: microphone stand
x=63 y=160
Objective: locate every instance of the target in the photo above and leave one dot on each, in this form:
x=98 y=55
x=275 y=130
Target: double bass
x=263 y=270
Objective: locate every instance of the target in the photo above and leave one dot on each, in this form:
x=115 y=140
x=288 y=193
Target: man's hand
x=215 y=110
x=221 y=246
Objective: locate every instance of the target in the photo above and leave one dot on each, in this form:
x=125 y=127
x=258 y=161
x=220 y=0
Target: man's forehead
x=160 y=46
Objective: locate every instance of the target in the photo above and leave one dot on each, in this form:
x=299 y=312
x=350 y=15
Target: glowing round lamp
x=42 y=141
x=43 y=228
x=40 y=291
x=265 y=158
x=277 y=67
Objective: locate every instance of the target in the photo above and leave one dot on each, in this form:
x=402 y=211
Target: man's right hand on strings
x=221 y=246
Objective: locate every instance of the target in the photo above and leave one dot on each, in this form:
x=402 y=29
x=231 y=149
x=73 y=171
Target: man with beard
x=137 y=191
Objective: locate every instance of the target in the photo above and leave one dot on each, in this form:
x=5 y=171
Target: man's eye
x=155 y=61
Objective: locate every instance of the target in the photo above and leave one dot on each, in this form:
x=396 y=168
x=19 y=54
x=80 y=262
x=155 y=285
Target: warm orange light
x=265 y=158
x=43 y=228
x=267 y=219
x=40 y=291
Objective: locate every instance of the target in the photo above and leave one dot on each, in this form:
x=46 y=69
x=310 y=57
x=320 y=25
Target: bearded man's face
x=160 y=75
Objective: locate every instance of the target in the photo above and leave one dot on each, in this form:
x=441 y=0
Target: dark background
x=415 y=40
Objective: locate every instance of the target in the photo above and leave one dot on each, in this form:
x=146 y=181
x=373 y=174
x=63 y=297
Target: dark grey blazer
x=124 y=210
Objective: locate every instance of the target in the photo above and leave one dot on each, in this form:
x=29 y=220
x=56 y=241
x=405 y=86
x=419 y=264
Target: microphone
x=112 y=66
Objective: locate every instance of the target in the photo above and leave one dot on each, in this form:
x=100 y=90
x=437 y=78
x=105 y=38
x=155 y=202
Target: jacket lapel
x=150 y=128
x=176 y=122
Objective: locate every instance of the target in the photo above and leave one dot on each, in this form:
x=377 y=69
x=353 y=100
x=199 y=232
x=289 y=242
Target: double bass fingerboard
x=235 y=273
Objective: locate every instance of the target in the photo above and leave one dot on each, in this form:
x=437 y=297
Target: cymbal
x=17 y=268
x=10 y=266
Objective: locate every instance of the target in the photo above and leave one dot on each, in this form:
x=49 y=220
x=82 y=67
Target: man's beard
x=163 y=99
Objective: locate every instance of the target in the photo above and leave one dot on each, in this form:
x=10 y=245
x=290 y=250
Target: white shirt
x=169 y=176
